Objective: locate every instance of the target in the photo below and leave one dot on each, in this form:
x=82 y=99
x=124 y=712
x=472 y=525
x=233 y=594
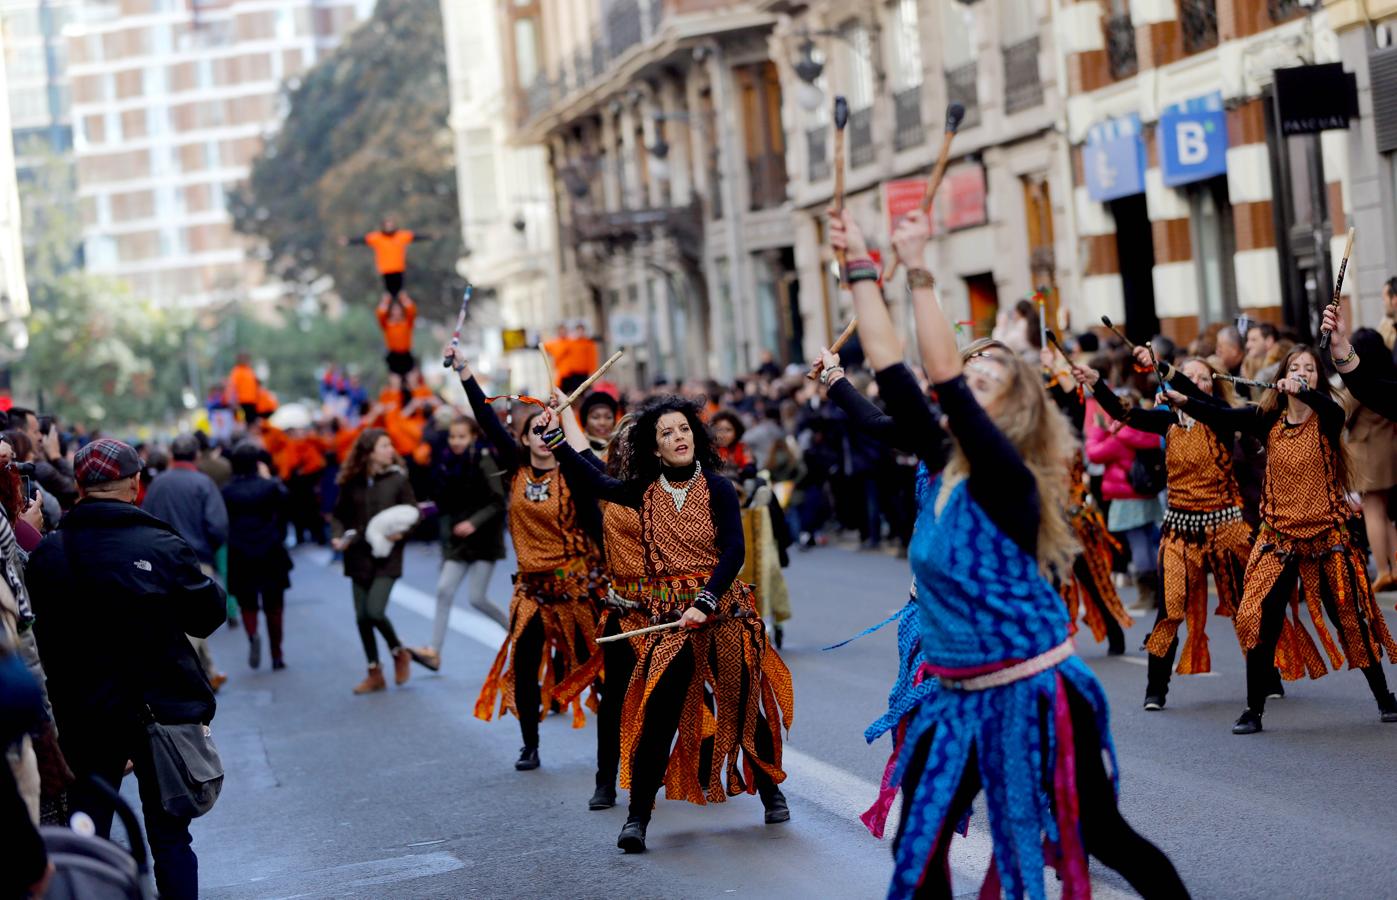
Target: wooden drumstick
x=955 y=113
x=838 y=345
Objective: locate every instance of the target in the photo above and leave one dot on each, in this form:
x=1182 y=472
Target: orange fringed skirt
x=746 y=679
x=1330 y=566
x=1089 y=589
x=565 y=601
x=624 y=608
x=1186 y=557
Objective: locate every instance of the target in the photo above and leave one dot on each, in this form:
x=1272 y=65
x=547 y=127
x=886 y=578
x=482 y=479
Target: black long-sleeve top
x=724 y=506
x=1376 y=393
x=504 y=448
x=1157 y=420
x=1251 y=419
x=999 y=480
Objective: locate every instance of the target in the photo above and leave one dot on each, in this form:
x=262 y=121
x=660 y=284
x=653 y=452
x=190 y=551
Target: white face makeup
x=987 y=374
x=674 y=439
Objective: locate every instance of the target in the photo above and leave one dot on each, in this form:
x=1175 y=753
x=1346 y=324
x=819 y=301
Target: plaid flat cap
x=106 y=460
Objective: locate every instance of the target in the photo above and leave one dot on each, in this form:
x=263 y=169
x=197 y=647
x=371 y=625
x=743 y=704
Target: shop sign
x=1114 y=159
x=1193 y=140
x=900 y=197
x=964 y=190
x=1311 y=99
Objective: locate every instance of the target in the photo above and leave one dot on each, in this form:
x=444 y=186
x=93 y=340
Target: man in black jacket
x=115 y=590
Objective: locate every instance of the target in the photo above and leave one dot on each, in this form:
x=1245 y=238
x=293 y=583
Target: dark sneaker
x=632 y=839
x=604 y=797
x=1248 y=723
x=528 y=759
x=1387 y=708
x=254 y=651
x=1154 y=702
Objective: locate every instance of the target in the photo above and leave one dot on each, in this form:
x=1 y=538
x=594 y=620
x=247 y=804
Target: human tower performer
x=396 y=311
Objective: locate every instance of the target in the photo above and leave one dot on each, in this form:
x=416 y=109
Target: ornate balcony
x=625 y=227
x=907 y=118
x=1023 y=89
x=539 y=97
x=1199 y=21
x=817 y=152
x=1284 y=10
x=1120 y=46
x=962 y=87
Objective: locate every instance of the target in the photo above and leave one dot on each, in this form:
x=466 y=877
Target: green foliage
x=296 y=347
x=366 y=137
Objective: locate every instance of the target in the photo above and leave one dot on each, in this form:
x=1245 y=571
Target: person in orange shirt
x=574 y=356
x=389 y=245
x=396 y=316
x=243 y=388
x=267 y=403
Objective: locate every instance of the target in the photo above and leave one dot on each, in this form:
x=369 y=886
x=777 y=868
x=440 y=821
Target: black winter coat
x=359 y=501
x=469 y=487
x=115 y=592
x=257 y=514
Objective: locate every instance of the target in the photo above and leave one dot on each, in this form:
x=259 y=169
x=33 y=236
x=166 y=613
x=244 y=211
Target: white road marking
x=1142 y=661
x=814 y=781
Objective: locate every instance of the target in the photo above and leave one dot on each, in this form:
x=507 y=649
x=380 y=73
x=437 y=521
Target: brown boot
x=374 y=681
x=402 y=662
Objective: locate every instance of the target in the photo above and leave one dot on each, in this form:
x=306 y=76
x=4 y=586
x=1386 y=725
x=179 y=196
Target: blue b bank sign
x=1114 y=159
x=1192 y=140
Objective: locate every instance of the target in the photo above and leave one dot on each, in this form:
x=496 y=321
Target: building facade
x=999 y=218
x=36 y=62
x=662 y=121
x=171 y=102
x=1194 y=203
x=507 y=220
x=14 y=292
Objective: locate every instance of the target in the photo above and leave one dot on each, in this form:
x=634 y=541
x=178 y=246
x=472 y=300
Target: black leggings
x=662 y=715
x=1262 y=678
x=1115 y=637
x=1105 y=834
x=619 y=659
x=371 y=613
x=528 y=692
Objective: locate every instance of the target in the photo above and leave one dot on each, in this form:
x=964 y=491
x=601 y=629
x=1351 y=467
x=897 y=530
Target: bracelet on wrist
x=828 y=376
x=705 y=602
x=919 y=278
x=553 y=438
x=1348 y=358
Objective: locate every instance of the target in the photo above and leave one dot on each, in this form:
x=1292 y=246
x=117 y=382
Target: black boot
x=1248 y=723
x=528 y=759
x=632 y=839
x=604 y=797
x=254 y=650
x=1387 y=707
x=775 y=802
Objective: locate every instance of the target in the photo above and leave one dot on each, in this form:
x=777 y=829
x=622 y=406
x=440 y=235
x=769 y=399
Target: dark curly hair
x=642 y=442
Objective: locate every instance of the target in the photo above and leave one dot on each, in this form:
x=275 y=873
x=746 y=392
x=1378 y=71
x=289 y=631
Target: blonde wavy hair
x=1043 y=437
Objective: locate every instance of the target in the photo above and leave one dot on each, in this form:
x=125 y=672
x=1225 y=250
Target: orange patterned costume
x=1203 y=532
x=1089 y=592
x=749 y=684
x=1305 y=524
x=557 y=584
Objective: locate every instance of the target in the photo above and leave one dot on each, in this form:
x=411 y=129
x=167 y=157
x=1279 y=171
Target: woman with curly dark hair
x=372 y=480
x=691 y=529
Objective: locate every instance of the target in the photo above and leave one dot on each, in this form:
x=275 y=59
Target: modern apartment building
x=36 y=62
x=14 y=293
x=172 y=100
x=507 y=220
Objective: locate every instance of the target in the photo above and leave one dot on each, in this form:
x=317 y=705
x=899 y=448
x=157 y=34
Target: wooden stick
x=955 y=113
x=841 y=119
x=1106 y=320
x=630 y=634
x=1338 y=288
x=548 y=367
x=839 y=342
x=1057 y=345
x=591 y=380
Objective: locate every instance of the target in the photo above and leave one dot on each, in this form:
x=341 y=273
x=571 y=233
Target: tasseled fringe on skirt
x=1185 y=561
x=1089 y=589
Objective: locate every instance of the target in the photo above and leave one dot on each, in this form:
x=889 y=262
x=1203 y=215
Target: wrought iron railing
x=861 y=149
x=1199 y=22
x=962 y=87
x=540 y=95
x=817 y=152
x=766 y=180
x=581 y=67
x=1023 y=89
x=907 y=118
x=1120 y=46
x=623 y=26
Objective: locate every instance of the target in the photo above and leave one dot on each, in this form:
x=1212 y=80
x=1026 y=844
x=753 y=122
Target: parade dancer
x=372 y=480
x=389 y=245
x=397 y=314
x=691 y=528
x=625 y=608
x=1203 y=526
x=914 y=681
x=1361 y=376
x=1017 y=712
x=1086 y=586
x=553 y=613
x=1305 y=549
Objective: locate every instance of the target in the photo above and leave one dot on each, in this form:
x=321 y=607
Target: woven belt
x=1185 y=520
x=1017 y=672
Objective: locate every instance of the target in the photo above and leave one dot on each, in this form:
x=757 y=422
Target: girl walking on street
x=372 y=480
x=469 y=489
x=553 y=613
x=258 y=564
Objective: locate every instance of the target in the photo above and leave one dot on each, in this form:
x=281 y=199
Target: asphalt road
x=404 y=794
